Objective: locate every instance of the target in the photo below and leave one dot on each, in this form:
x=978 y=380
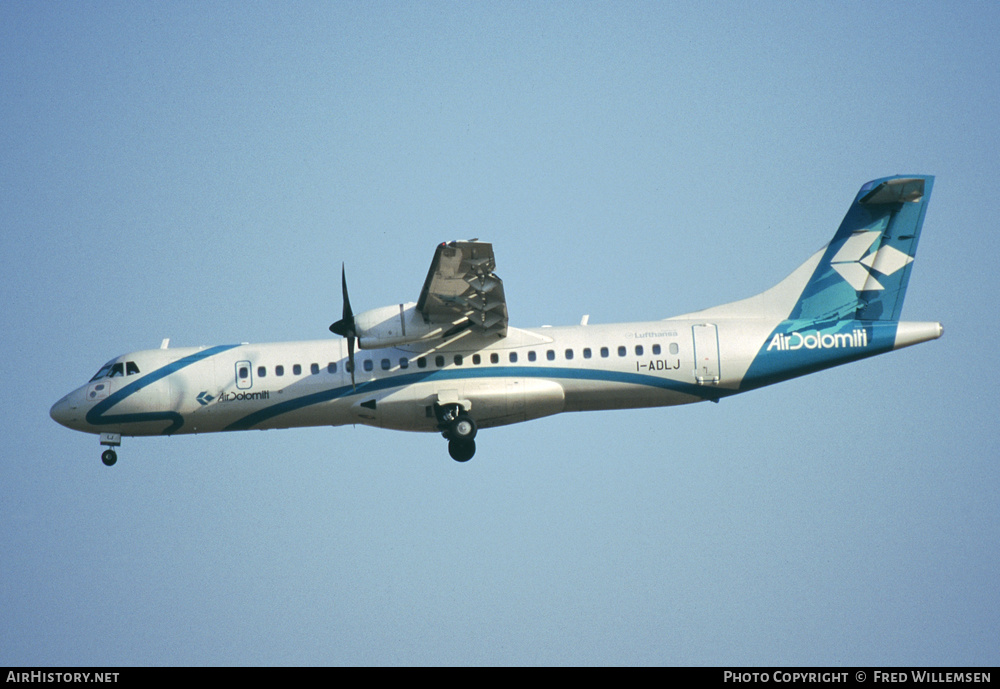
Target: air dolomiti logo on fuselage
x=204 y=398
x=790 y=342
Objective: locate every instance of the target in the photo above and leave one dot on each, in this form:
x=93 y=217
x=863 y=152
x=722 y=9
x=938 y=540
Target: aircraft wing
x=461 y=285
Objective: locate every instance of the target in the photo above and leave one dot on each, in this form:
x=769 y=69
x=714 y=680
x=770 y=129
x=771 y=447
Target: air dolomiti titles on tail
x=450 y=363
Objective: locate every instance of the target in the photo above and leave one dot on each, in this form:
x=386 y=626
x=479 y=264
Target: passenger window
x=314 y=369
x=532 y=356
x=513 y=357
x=622 y=351
x=656 y=349
x=638 y=350
x=386 y=364
x=244 y=372
x=368 y=365
x=439 y=360
x=586 y=352
x=550 y=355
x=279 y=370
x=605 y=353
x=261 y=372
x=422 y=362
x=296 y=370
x=476 y=359
x=569 y=354
x=331 y=367
x=404 y=363
x=673 y=348
x=458 y=359
x=494 y=358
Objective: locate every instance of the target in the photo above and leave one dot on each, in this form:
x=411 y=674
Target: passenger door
x=244 y=375
x=706 y=354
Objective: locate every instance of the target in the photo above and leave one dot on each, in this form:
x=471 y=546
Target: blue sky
x=200 y=171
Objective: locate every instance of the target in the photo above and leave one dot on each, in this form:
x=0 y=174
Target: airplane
x=449 y=363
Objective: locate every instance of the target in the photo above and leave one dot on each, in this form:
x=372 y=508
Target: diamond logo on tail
x=859 y=269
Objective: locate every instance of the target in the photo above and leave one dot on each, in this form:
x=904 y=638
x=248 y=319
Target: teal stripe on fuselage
x=548 y=373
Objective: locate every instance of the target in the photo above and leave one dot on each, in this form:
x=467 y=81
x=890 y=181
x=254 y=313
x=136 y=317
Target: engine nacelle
x=388 y=326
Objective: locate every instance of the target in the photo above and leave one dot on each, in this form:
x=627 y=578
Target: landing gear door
x=244 y=375
x=706 y=354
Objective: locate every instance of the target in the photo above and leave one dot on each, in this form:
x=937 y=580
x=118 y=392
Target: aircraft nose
x=64 y=412
x=58 y=411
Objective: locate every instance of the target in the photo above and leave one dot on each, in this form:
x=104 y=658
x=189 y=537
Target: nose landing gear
x=111 y=440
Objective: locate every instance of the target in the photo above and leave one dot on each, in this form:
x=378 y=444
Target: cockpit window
x=103 y=372
x=112 y=369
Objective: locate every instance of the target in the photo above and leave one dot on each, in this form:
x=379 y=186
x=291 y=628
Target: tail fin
x=864 y=270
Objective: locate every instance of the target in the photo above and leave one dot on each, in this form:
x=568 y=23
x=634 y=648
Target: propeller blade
x=345 y=326
x=348 y=312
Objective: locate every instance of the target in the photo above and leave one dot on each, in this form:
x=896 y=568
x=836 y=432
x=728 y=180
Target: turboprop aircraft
x=450 y=363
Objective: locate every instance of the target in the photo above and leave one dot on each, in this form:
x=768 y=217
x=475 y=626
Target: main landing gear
x=112 y=440
x=460 y=429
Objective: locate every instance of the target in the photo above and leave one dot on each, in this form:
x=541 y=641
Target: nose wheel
x=111 y=440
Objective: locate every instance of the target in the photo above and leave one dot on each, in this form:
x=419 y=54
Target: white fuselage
x=528 y=374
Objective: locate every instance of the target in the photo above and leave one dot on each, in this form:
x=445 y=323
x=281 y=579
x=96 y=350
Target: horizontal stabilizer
x=899 y=190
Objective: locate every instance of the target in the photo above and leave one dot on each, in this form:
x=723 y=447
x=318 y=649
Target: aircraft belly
x=490 y=401
x=598 y=395
x=528 y=398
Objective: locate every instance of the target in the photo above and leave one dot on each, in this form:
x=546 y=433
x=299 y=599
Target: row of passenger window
x=459 y=359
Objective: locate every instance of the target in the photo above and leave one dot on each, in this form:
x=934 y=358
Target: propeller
x=345 y=326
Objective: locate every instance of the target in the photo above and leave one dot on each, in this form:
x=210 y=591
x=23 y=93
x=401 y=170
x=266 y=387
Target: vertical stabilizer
x=865 y=269
x=849 y=307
